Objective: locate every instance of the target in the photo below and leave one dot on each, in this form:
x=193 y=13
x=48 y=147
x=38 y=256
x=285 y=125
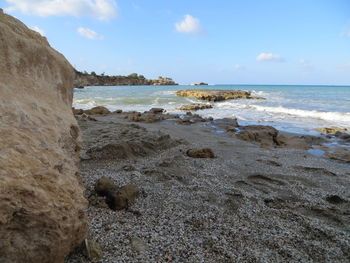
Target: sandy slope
x=249 y=204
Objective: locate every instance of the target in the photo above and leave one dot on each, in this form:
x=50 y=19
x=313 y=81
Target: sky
x=214 y=41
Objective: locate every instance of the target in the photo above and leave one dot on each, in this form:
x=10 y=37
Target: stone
x=123 y=198
x=138 y=245
x=93 y=250
x=77 y=111
x=105 y=186
x=195 y=107
x=118 y=111
x=215 y=95
x=200 y=153
x=157 y=110
x=267 y=136
x=99 y=110
x=42 y=202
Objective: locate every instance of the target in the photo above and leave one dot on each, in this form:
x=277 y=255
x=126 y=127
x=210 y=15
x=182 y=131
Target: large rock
x=41 y=198
x=216 y=95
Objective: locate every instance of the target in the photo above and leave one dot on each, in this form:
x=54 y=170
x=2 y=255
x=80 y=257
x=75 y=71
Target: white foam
x=328 y=116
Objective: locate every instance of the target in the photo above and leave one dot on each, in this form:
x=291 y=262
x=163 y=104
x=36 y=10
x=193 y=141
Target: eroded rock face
x=41 y=198
x=216 y=95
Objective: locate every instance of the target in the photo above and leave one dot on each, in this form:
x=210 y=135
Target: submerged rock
x=216 y=95
x=42 y=204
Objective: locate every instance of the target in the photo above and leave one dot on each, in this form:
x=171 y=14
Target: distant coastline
x=83 y=79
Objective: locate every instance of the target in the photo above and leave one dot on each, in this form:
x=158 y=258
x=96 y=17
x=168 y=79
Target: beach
x=251 y=203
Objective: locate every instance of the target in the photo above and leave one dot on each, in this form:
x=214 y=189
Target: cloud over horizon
x=99 y=9
x=38 y=29
x=189 y=25
x=88 y=33
x=269 y=57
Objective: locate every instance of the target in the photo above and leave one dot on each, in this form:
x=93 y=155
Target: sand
x=248 y=204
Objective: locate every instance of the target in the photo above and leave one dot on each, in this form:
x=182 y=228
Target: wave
x=328 y=116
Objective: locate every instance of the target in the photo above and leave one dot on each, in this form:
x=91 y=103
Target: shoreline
x=247 y=203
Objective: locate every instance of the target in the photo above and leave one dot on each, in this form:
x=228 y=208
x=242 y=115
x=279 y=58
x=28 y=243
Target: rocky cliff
x=85 y=79
x=41 y=198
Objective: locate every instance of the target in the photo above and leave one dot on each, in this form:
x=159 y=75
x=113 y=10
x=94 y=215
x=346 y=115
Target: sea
x=290 y=108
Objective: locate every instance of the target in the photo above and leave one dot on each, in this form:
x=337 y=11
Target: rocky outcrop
x=267 y=136
x=199 y=84
x=216 y=95
x=85 y=79
x=41 y=198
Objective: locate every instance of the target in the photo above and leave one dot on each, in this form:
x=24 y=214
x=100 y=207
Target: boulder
x=99 y=110
x=105 y=186
x=123 y=198
x=42 y=200
x=200 y=153
x=265 y=135
x=215 y=95
x=156 y=110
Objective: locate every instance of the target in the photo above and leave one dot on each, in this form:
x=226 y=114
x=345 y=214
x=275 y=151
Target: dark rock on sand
x=105 y=186
x=114 y=141
x=267 y=136
x=195 y=107
x=216 y=95
x=123 y=198
x=200 y=153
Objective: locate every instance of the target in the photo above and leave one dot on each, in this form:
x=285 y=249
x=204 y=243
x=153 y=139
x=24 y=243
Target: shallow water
x=296 y=109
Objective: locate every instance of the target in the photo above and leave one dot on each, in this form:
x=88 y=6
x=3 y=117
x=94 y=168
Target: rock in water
x=216 y=95
x=41 y=197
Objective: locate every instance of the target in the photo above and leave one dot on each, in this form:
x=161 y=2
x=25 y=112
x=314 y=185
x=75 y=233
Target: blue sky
x=226 y=41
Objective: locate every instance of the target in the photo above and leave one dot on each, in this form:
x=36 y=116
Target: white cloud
x=100 y=9
x=189 y=25
x=88 y=33
x=39 y=30
x=269 y=57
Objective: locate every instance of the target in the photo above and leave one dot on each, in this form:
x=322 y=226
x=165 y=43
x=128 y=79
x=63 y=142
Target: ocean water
x=296 y=109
